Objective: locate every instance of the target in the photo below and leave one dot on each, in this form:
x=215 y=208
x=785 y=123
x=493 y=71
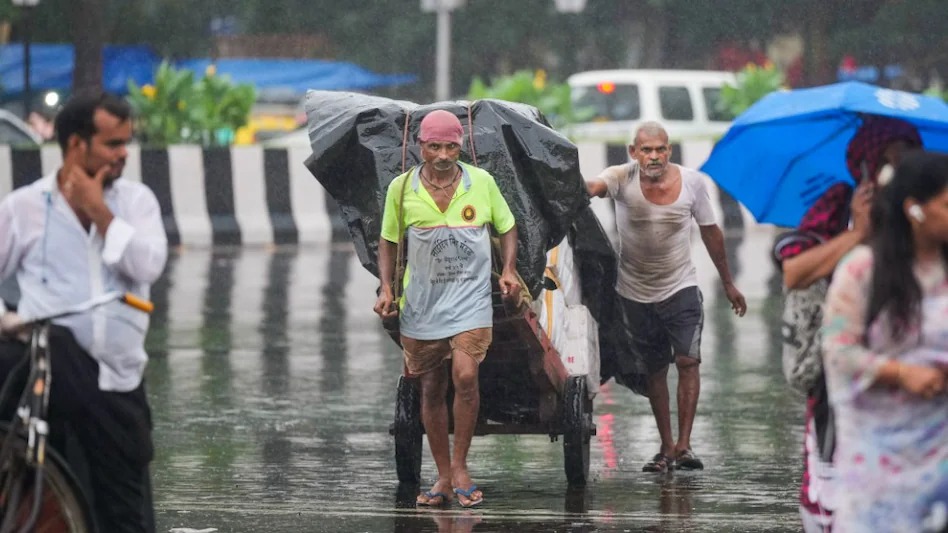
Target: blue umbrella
x=787 y=149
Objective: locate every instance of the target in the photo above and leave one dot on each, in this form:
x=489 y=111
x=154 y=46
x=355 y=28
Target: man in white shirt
x=68 y=237
x=659 y=303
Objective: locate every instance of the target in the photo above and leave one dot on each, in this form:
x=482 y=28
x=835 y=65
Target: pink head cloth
x=441 y=126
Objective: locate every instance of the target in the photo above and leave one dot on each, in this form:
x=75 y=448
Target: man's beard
x=653 y=172
x=115 y=172
x=442 y=165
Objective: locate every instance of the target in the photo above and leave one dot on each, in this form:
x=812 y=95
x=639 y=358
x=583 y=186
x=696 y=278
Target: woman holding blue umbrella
x=835 y=224
x=787 y=149
x=871 y=154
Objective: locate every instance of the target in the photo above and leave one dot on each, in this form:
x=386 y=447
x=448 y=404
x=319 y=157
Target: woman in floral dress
x=885 y=342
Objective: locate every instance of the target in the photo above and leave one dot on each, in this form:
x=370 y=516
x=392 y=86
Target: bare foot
x=440 y=494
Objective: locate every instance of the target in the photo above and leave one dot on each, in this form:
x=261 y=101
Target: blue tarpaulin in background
x=52 y=65
x=296 y=76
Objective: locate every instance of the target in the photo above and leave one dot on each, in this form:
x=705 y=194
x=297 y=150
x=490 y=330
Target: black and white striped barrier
x=240 y=195
x=250 y=195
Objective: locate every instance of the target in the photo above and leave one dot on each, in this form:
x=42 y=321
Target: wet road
x=272 y=387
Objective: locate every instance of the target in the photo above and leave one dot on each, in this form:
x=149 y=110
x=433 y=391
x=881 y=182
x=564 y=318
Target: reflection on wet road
x=272 y=386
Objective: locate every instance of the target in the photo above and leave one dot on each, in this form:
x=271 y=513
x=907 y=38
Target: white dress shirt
x=59 y=264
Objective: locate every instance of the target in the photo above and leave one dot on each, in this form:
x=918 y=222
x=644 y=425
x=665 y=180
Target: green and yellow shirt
x=447 y=279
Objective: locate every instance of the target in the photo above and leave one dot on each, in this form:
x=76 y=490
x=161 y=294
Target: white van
x=684 y=101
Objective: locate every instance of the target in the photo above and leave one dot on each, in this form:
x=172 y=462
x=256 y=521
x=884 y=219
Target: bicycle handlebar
x=126 y=298
x=141 y=304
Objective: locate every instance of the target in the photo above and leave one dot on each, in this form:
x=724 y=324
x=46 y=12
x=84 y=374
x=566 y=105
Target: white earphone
x=915 y=211
x=885 y=175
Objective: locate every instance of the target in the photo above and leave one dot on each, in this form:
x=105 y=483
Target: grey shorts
x=654 y=333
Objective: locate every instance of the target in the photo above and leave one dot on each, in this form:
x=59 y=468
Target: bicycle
x=38 y=491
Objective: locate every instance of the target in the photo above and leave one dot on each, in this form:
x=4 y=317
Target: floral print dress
x=891 y=446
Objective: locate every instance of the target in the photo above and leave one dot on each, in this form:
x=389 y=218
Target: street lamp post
x=570 y=6
x=442 y=44
x=27 y=30
x=443 y=40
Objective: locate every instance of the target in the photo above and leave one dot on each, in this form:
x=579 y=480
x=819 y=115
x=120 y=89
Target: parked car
x=684 y=101
x=15 y=132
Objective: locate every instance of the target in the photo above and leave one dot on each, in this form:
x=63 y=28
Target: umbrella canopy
x=787 y=149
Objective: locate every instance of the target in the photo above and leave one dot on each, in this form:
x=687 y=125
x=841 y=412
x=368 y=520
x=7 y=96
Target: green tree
x=533 y=88
x=7 y=12
x=753 y=83
x=937 y=93
x=498 y=37
x=896 y=32
x=695 y=28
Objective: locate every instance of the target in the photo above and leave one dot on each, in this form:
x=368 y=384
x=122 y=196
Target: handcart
x=525 y=388
x=527 y=384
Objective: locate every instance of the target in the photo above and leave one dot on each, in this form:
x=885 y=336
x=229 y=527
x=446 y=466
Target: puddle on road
x=272 y=387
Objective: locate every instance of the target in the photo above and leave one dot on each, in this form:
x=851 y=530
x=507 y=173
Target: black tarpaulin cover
x=357 y=143
x=357 y=150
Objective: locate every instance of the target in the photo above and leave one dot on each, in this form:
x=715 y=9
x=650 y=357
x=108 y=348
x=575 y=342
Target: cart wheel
x=408 y=432
x=577 y=421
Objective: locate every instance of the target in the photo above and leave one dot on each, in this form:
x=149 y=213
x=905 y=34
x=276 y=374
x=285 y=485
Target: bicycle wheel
x=63 y=508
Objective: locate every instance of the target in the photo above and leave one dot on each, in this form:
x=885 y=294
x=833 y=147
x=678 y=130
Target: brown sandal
x=660 y=463
x=687 y=460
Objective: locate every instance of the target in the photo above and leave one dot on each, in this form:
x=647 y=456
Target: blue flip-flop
x=432 y=495
x=467 y=494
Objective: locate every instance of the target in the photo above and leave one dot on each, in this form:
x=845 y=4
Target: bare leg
x=658 y=398
x=434 y=416
x=467 y=402
x=689 y=386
